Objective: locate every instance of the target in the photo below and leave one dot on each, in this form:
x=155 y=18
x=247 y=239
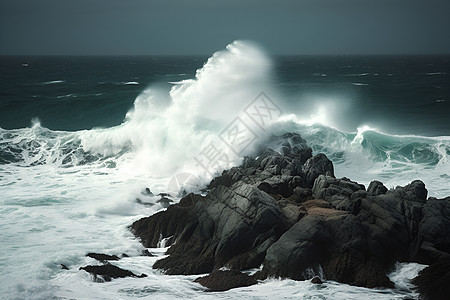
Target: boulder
x=299 y=248
x=102 y=257
x=376 y=188
x=342 y=194
x=291 y=145
x=219 y=281
x=315 y=166
x=415 y=191
x=433 y=230
x=338 y=242
x=229 y=227
x=164 y=224
x=279 y=173
x=302 y=193
x=433 y=281
x=165 y=202
x=108 y=271
x=316 y=280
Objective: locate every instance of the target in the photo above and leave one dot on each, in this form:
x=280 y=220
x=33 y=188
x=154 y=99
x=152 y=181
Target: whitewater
x=66 y=193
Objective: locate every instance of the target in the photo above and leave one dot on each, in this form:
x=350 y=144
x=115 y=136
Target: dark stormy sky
x=204 y=26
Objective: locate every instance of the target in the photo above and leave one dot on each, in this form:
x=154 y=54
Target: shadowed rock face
x=287 y=210
x=231 y=226
x=433 y=281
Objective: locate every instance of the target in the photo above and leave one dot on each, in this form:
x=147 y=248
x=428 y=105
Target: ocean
x=81 y=138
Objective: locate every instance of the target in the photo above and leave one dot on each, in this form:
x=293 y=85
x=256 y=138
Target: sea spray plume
x=227 y=82
x=166 y=131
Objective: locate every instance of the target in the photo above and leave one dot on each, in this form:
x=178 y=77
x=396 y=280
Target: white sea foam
x=370 y=154
x=356 y=74
x=67 y=96
x=167 y=130
x=436 y=73
x=52 y=82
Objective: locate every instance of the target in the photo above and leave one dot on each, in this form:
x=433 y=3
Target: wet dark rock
x=360 y=246
x=343 y=194
x=102 y=257
x=376 y=188
x=147 y=192
x=165 y=202
x=290 y=145
x=415 y=191
x=302 y=193
x=316 y=280
x=432 y=224
x=292 y=212
x=108 y=271
x=278 y=173
x=167 y=223
x=219 y=281
x=285 y=209
x=230 y=226
x=433 y=281
x=317 y=165
x=335 y=240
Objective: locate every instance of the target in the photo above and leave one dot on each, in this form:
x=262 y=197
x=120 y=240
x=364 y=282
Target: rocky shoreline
x=286 y=210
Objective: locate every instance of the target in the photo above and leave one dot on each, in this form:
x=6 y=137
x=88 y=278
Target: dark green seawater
x=397 y=94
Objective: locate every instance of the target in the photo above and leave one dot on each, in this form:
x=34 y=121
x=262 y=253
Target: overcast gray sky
x=204 y=26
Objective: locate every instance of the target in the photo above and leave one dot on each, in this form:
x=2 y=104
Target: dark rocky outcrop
x=342 y=194
x=235 y=223
x=108 y=271
x=219 y=281
x=433 y=281
x=376 y=188
x=433 y=230
x=230 y=226
x=102 y=257
x=359 y=245
x=316 y=280
x=287 y=210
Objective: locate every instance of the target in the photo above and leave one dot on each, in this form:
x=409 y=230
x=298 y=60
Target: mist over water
x=66 y=193
x=395 y=94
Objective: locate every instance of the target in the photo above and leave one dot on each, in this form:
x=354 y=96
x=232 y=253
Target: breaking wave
x=169 y=130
